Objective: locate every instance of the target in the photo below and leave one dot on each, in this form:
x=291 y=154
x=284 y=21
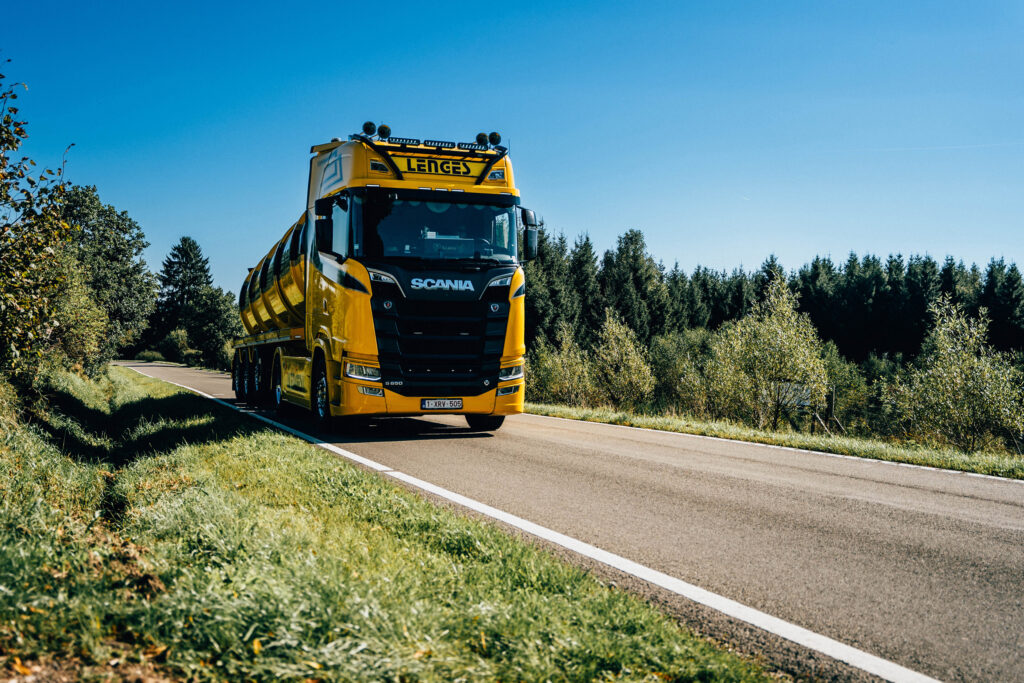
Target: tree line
x=74 y=288
x=903 y=349
x=865 y=305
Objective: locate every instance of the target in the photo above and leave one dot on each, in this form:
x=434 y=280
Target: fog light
x=505 y=391
x=514 y=372
x=372 y=391
x=366 y=372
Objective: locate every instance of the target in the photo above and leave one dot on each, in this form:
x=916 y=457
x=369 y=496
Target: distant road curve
x=921 y=568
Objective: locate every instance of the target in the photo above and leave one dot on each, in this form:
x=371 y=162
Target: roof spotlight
x=481 y=138
x=384 y=131
x=494 y=138
x=369 y=128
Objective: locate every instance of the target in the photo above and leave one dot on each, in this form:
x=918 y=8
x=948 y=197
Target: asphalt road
x=922 y=567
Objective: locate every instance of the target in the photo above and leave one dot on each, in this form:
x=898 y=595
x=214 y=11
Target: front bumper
x=352 y=402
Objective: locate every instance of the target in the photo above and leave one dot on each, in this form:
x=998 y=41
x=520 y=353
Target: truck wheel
x=259 y=381
x=236 y=377
x=276 y=395
x=244 y=381
x=485 y=423
x=320 y=397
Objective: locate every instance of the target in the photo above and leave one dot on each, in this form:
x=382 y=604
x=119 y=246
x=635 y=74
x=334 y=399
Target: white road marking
x=882 y=668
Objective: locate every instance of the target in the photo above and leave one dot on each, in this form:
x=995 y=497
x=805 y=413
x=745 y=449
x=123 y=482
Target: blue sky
x=726 y=131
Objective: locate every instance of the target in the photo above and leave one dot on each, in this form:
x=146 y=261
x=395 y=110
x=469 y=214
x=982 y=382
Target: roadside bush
x=962 y=392
x=621 y=371
x=852 y=395
x=175 y=345
x=766 y=363
x=81 y=325
x=149 y=356
x=677 y=360
x=193 y=357
x=560 y=374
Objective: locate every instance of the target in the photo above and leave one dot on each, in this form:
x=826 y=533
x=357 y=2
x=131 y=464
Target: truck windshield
x=390 y=224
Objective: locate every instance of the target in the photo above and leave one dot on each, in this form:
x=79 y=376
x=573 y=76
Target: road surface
x=921 y=567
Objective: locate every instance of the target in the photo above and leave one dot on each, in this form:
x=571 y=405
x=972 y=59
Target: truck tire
x=320 y=397
x=236 y=377
x=485 y=423
x=276 y=394
x=245 y=379
x=258 y=387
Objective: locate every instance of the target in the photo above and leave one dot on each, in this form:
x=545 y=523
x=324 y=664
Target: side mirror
x=529 y=218
x=322 y=207
x=530 y=248
x=324 y=234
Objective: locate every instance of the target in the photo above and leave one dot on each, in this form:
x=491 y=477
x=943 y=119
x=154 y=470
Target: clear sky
x=726 y=131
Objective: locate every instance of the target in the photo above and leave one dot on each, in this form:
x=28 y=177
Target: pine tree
x=922 y=291
x=817 y=284
x=963 y=286
x=704 y=292
x=742 y=293
x=183 y=278
x=680 y=300
x=1003 y=297
x=766 y=274
x=551 y=298
x=584 y=273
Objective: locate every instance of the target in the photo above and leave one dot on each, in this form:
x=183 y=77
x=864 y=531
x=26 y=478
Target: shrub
x=560 y=374
x=621 y=371
x=852 y=397
x=149 y=356
x=81 y=324
x=962 y=391
x=677 y=360
x=193 y=357
x=175 y=345
x=767 y=362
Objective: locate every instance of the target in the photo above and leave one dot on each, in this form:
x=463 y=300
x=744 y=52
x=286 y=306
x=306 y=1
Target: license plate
x=440 y=403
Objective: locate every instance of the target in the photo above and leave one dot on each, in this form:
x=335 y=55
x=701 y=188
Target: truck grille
x=439 y=348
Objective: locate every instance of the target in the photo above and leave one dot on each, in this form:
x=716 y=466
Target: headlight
x=366 y=372
x=503 y=281
x=514 y=372
x=377 y=276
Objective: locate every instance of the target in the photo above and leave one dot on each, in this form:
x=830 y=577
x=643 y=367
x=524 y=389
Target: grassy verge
x=982 y=463
x=147 y=533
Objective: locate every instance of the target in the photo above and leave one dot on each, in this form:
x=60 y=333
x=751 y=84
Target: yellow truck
x=399 y=290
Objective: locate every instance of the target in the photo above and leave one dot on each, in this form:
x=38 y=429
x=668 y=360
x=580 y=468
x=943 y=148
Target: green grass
x=142 y=526
x=994 y=464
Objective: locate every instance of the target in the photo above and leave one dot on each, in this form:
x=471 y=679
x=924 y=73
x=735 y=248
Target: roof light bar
x=404 y=141
x=439 y=143
x=475 y=146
